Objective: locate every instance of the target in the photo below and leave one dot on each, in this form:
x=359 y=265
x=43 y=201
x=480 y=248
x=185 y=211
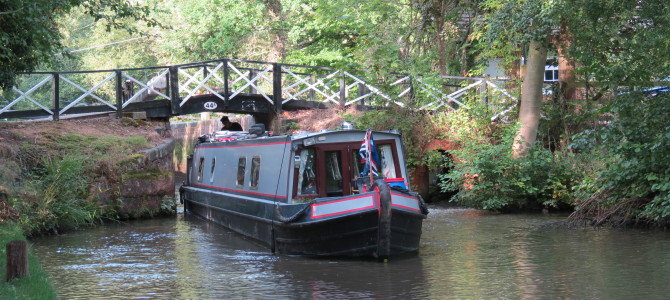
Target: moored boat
x=308 y=194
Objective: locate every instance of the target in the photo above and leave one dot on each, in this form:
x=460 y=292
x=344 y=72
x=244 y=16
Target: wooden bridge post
x=312 y=80
x=276 y=87
x=17 y=259
x=483 y=91
x=226 y=76
x=252 y=73
x=174 y=90
x=55 y=95
x=343 y=91
x=362 y=90
x=205 y=72
x=119 y=94
x=412 y=96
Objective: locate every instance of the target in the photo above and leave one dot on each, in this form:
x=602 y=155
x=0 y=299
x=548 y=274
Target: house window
x=550 y=73
x=201 y=165
x=241 y=168
x=255 y=172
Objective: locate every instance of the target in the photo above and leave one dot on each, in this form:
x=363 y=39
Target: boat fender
x=295 y=216
x=384 y=223
x=182 y=194
x=422 y=203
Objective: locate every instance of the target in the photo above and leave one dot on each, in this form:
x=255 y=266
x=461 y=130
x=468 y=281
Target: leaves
x=31 y=35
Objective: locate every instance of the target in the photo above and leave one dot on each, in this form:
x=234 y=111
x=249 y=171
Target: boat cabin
x=328 y=169
x=321 y=164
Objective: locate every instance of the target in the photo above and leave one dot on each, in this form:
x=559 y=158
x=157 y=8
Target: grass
x=34 y=286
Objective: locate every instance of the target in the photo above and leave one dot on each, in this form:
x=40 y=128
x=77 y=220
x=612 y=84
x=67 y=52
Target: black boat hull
x=378 y=230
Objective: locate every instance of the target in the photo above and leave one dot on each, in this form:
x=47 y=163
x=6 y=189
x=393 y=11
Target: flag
x=367 y=151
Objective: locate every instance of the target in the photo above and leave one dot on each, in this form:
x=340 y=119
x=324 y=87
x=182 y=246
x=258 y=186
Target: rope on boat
x=294 y=216
x=422 y=203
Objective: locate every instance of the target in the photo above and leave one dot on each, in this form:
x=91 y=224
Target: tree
x=619 y=42
x=524 y=23
x=531 y=99
x=31 y=36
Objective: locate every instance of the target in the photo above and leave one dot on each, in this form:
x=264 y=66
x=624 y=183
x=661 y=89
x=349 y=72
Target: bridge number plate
x=210 y=105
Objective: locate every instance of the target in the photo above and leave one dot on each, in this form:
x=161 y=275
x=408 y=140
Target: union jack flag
x=368 y=150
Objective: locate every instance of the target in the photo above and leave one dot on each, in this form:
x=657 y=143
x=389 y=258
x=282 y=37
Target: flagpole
x=370 y=159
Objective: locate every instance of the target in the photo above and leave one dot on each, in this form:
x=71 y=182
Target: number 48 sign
x=210 y=105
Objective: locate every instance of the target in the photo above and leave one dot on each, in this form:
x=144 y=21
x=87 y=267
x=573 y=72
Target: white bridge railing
x=60 y=93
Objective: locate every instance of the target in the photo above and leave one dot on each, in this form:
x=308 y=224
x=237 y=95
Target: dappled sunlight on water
x=464 y=254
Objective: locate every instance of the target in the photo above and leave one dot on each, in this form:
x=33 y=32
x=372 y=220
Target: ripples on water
x=465 y=254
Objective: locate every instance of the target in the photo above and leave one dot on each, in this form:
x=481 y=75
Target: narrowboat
x=327 y=193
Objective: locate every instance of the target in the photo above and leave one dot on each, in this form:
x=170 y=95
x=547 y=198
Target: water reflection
x=481 y=255
x=464 y=254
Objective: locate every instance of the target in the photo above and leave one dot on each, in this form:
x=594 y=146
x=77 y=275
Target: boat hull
x=358 y=231
x=353 y=235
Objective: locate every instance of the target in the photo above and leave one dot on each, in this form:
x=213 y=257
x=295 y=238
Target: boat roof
x=229 y=136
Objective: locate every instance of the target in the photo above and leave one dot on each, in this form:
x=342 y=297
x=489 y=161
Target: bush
x=486 y=176
x=634 y=184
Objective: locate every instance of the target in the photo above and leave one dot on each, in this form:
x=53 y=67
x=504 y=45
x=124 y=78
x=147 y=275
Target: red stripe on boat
x=245 y=145
x=241 y=191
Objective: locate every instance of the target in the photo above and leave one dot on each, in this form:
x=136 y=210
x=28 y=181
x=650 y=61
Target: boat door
x=336 y=170
x=325 y=170
x=341 y=164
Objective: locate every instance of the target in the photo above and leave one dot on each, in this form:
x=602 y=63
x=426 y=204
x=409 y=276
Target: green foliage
x=620 y=41
x=486 y=176
x=30 y=36
x=34 y=286
x=634 y=182
x=60 y=197
x=415 y=127
x=520 y=22
x=59 y=177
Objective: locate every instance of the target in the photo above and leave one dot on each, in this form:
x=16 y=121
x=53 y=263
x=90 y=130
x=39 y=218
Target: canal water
x=465 y=254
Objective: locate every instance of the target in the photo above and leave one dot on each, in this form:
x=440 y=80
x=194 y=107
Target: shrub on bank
x=485 y=175
x=633 y=184
x=61 y=179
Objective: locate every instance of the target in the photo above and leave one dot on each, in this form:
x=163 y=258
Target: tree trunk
x=277 y=33
x=439 y=36
x=566 y=66
x=531 y=99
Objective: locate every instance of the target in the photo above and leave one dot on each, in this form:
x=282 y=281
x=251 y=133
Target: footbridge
x=237 y=86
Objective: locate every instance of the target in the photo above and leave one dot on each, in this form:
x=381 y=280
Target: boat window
x=388 y=164
x=307 y=173
x=255 y=172
x=357 y=165
x=334 y=186
x=241 y=168
x=201 y=165
x=211 y=172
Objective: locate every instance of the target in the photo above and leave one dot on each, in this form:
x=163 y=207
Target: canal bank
x=58 y=176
